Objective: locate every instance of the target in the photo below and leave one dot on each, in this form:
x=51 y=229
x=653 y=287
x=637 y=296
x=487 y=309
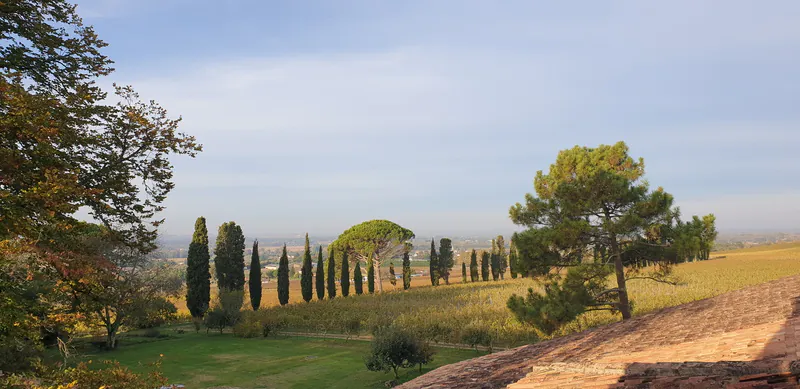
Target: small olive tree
x=394 y=348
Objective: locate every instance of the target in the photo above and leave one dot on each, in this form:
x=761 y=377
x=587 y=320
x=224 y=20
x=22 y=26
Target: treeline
x=354 y=245
x=483 y=265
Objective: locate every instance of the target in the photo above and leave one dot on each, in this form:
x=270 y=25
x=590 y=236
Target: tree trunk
x=377 y=264
x=624 y=304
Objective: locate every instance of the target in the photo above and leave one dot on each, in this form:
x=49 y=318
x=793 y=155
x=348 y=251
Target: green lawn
x=204 y=361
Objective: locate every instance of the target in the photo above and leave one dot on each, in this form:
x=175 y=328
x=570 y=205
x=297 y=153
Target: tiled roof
x=742 y=339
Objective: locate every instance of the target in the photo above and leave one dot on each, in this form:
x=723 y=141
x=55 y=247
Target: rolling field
x=443 y=313
x=204 y=361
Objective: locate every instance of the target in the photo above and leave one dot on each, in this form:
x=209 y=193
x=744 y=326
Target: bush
x=216 y=319
x=112 y=375
x=153 y=313
x=151 y=333
x=248 y=327
x=352 y=327
x=393 y=348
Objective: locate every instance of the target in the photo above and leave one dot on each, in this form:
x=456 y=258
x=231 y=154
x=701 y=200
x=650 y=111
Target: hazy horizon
x=437 y=115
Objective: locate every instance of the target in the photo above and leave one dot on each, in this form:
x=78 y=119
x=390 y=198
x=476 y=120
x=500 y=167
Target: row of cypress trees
x=229 y=268
x=492 y=264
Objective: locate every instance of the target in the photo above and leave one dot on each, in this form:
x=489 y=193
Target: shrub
x=151 y=333
x=248 y=327
x=112 y=375
x=394 y=348
x=216 y=319
x=153 y=313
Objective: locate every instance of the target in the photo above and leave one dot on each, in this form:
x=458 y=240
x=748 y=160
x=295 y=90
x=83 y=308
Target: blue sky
x=317 y=115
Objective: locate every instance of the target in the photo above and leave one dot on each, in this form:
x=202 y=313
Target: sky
x=317 y=115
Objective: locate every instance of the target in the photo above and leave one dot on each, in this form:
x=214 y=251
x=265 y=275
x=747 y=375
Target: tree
x=512 y=259
x=358 y=279
x=485 y=257
x=406 y=269
x=393 y=348
x=62 y=147
x=593 y=206
x=445 y=262
x=371 y=278
x=708 y=235
x=345 y=278
x=255 y=278
x=434 y=264
x=473 y=266
x=283 y=277
x=331 y=275
x=306 y=277
x=198 y=276
x=374 y=241
x=128 y=281
x=229 y=257
x=464 y=272
x=502 y=260
x=320 y=283
x=393 y=276
x=494 y=261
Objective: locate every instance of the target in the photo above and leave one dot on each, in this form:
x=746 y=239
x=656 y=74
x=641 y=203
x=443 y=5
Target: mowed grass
x=214 y=360
x=449 y=310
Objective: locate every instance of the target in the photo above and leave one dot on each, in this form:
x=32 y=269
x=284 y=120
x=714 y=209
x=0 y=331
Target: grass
x=446 y=311
x=204 y=361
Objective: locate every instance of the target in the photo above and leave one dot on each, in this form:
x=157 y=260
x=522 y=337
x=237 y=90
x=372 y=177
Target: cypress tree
x=434 y=265
x=393 y=281
x=283 y=278
x=485 y=265
x=255 y=278
x=371 y=278
x=502 y=260
x=331 y=275
x=406 y=270
x=229 y=258
x=512 y=259
x=473 y=266
x=446 y=262
x=345 y=278
x=463 y=272
x=358 y=278
x=495 y=261
x=320 y=283
x=306 y=276
x=198 y=276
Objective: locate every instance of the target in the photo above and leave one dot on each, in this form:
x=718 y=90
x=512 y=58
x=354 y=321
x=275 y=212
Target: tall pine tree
x=229 y=258
x=473 y=266
x=283 y=277
x=306 y=276
x=446 y=261
x=464 y=272
x=320 y=282
x=406 y=269
x=198 y=275
x=255 y=278
x=434 y=264
x=485 y=257
x=344 y=280
x=331 y=275
x=358 y=278
x=371 y=278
